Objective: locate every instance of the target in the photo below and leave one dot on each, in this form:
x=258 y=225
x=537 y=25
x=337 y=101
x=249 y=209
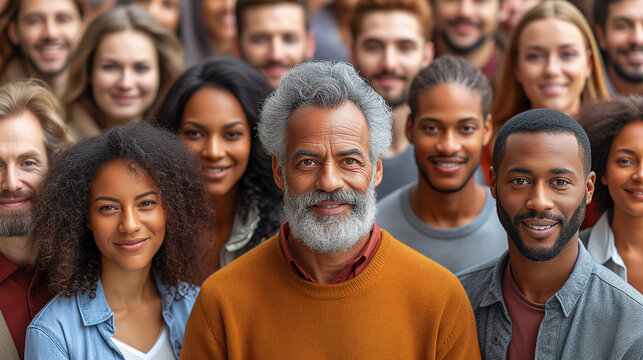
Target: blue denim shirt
x=595 y=315
x=79 y=327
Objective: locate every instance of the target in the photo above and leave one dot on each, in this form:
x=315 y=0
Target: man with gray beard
x=330 y=284
x=31 y=130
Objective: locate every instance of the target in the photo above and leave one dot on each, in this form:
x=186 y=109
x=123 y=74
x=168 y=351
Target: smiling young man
x=330 y=284
x=31 y=130
x=546 y=297
x=273 y=36
x=44 y=34
x=618 y=25
x=391 y=43
x=446 y=215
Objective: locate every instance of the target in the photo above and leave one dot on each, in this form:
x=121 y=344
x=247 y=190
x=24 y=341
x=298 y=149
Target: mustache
x=348 y=196
x=540 y=215
x=459 y=157
x=390 y=74
x=6 y=194
x=277 y=63
x=633 y=47
x=465 y=21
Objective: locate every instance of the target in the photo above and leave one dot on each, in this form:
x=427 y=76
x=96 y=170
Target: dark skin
x=449 y=127
x=543 y=173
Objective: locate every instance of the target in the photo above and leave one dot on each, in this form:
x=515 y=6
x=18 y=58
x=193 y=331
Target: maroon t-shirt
x=526 y=317
x=23 y=292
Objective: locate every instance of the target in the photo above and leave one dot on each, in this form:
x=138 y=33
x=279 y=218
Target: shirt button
x=32 y=292
x=21 y=269
x=496 y=339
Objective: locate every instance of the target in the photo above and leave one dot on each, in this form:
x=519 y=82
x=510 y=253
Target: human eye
x=193 y=134
x=468 y=129
x=430 y=128
x=372 y=46
x=147 y=203
x=560 y=182
x=624 y=161
x=568 y=54
x=109 y=208
x=258 y=39
x=233 y=135
x=108 y=67
x=141 y=68
x=63 y=18
x=351 y=161
x=32 y=20
x=306 y=162
x=290 y=39
x=29 y=163
x=519 y=181
x=621 y=25
x=533 y=56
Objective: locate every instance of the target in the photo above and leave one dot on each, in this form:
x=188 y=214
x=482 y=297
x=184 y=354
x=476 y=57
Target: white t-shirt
x=162 y=349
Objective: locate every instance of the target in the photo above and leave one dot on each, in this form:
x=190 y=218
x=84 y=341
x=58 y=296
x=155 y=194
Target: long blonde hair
x=121 y=18
x=510 y=98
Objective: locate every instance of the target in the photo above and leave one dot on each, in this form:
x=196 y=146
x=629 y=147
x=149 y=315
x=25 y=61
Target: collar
x=350 y=271
x=567 y=295
x=242 y=231
x=8 y=267
x=601 y=242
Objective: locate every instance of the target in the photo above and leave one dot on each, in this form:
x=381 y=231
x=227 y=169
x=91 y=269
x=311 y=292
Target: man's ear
x=379 y=171
x=590 y=186
x=277 y=174
x=310 y=45
x=493 y=182
x=409 y=129
x=487 y=130
x=12 y=33
x=429 y=53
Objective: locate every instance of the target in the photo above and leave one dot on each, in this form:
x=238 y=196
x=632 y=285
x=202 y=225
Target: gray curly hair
x=326 y=85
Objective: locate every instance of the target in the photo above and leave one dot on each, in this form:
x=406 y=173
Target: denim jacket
x=79 y=327
x=595 y=315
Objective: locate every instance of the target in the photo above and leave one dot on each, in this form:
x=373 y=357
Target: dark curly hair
x=257 y=187
x=66 y=247
x=603 y=121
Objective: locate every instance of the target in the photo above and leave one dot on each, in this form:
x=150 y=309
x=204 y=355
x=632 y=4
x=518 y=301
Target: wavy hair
x=66 y=247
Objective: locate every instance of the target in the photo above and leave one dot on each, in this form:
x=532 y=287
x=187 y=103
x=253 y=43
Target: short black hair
x=449 y=69
x=600 y=11
x=543 y=121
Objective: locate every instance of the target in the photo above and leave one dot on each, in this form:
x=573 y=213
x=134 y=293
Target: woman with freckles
x=120 y=221
x=615 y=130
x=213 y=107
x=125 y=62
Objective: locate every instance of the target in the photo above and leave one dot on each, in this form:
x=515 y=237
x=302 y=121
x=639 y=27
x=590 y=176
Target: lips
x=216 y=172
x=51 y=50
x=448 y=164
x=636 y=193
x=124 y=100
x=633 y=55
x=275 y=70
x=553 y=89
x=13 y=203
x=132 y=244
x=539 y=228
x=330 y=207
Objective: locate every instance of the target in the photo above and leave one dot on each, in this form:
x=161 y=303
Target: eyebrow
x=520 y=170
x=300 y=153
x=107 y=198
x=356 y=152
x=535 y=47
x=226 y=126
x=626 y=150
x=467 y=119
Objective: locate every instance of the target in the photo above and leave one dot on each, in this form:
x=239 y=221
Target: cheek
x=195 y=147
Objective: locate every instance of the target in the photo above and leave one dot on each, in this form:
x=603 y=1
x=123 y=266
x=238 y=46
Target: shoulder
x=477 y=280
x=606 y=283
x=583 y=235
x=391 y=208
x=58 y=317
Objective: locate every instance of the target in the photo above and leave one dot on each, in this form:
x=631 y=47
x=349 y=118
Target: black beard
x=456 y=189
x=633 y=78
x=567 y=231
x=463 y=49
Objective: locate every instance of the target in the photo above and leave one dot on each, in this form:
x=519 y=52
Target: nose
x=449 y=144
x=276 y=49
x=637 y=176
x=390 y=58
x=330 y=178
x=466 y=8
x=552 y=66
x=229 y=5
x=539 y=199
x=213 y=149
x=51 y=28
x=638 y=33
x=130 y=221
x=126 y=80
x=10 y=180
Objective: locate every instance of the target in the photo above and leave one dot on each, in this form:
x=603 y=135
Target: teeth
x=328 y=206
x=216 y=171
x=539 y=227
x=448 y=165
x=637 y=192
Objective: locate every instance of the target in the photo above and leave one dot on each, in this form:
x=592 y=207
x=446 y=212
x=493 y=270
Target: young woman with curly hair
x=213 y=107
x=615 y=130
x=120 y=221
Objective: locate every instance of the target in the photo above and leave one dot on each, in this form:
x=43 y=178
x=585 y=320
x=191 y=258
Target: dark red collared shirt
x=352 y=270
x=23 y=292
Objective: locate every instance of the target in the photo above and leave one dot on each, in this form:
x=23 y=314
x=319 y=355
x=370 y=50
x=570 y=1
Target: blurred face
x=47 y=32
x=541 y=192
x=465 y=25
x=553 y=65
x=622 y=39
x=219 y=18
x=274 y=39
x=512 y=11
x=215 y=128
x=624 y=172
x=389 y=51
x=448 y=132
x=166 y=12
x=125 y=76
x=23 y=163
x=126 y=216
x=328 y=178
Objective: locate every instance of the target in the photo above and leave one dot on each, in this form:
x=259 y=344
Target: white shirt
x=162 y=349
x=602 y=248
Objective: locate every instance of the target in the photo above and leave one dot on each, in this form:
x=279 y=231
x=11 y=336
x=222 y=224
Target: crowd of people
x=321 y=179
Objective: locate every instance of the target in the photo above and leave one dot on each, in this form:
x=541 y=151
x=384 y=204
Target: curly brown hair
x=66 y=247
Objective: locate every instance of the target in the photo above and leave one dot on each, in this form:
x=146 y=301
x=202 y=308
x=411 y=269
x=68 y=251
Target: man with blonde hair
x=32 y=129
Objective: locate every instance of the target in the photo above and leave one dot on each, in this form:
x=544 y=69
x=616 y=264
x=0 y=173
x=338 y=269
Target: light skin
x=327 y=150
x=389 y=51
x=215 y=128
x=47 y=33
x=448 y=133
x=220 y=23
x=166 y=12
x=624 y=180
x=274 y=39
x=466 y=27
x=127 y=219
x=125 y=77
x=622 y=41
x=511 y=11
x=553 y=65
x=541 y=173
x=23 y=163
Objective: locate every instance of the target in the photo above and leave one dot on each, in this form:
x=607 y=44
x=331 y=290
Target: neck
x=540 y=280
x=478 y=57
x=622 y=86
x=222 y=46
x=106 y=122
x=225 y=208
x=324 y=267
x=628 y=231
x=56 y=83
x=124 y=287
x=18 y=249
x=447 y=210
x=399 y=142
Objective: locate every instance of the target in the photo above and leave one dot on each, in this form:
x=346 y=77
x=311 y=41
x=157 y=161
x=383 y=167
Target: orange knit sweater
x=401 y=306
